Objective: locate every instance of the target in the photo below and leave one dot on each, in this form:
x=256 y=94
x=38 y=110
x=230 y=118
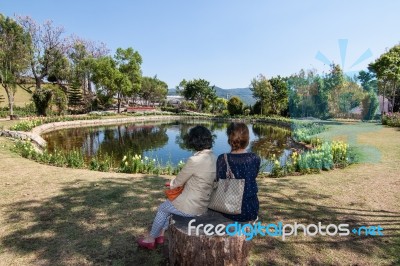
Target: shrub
x=235 y=106
x=101 y=163
x=303 y=131
x=74 y=159
x=60 y=101
x=326 y=156
x=27 y=110
x=41 y=98
x=391 y=119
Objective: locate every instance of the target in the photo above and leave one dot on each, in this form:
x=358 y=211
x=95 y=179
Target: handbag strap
x=229 y=173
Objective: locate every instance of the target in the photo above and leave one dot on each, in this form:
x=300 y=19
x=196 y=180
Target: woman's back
x=244 y=166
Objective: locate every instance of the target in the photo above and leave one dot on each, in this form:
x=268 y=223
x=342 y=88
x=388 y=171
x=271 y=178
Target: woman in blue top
x=244 y=165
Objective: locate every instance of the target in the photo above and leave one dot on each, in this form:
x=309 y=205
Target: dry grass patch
x=59 y=216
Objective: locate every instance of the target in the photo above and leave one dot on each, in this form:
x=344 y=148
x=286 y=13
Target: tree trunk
x=119 y=103
x=38 y=82
x=89 y=84
x=201 y=249
x=393 y=96
x=10 y=96
x=383 y=100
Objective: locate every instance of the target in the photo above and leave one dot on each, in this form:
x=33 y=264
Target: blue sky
x=227 y=42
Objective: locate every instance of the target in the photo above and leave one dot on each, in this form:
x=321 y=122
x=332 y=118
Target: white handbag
x=227 y=197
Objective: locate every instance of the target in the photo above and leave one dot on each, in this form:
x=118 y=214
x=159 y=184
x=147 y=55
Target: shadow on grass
x=97 y=223
x=289 y=201
x=87 y=223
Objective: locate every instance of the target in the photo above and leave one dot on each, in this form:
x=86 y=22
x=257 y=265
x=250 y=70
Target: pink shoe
x=160 y=240
x=143 y=244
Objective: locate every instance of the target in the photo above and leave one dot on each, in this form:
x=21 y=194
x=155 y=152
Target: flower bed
x=74 y=159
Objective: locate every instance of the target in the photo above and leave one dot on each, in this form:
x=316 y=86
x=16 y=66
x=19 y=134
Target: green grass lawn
x=59 y=216
x=21 y=99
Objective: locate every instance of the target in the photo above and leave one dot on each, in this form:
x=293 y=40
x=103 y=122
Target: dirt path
x=58 y=216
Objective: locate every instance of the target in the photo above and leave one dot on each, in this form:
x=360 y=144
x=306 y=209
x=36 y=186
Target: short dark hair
x=199 y=138
x=238 y=136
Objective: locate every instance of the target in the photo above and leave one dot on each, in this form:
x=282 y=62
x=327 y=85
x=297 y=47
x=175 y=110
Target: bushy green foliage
x=27 y=125
x=304 y=131
x=101 y=163
x=326 y=156
x=391 y=119
x=137 y=164
x=189 y=105
x=197 y=90
x=170 y=109
x=370 y=104
x=59 y=100
x=28 y=110
x=75 y=159
x=41 y=98
x=235 y=106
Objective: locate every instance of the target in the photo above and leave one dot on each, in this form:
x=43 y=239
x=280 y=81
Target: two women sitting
x=198 y=175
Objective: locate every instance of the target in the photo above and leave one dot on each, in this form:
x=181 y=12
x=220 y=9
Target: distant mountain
x=245 y=94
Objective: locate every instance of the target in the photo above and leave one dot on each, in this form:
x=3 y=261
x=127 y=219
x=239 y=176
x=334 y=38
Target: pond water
x=163 y=140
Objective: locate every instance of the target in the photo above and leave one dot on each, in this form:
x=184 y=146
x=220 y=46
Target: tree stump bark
x=193 y=250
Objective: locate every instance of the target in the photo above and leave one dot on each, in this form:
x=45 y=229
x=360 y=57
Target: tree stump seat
x=203 y=249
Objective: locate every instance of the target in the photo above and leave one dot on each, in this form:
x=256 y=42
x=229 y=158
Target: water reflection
x=164 y=141
x=271 y=140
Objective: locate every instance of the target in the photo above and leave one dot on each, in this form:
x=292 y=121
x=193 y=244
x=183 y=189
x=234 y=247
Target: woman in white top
x=197 y=177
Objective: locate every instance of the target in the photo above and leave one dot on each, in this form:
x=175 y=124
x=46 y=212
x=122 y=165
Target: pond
x=164 y=140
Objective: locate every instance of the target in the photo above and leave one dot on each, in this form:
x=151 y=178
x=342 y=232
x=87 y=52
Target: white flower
x=124 y=159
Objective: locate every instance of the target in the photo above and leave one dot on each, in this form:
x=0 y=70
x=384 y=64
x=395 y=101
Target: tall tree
x=368 y=80
x=280 y=94
x=153 y=90
x=14 y=56
x=79 y=52
x=262 y=90
x=370 y=102
x=197 y=90
x=108 y=76
x=333 y=84
x=387 y=70
x=47 y=48
x=129 y=64
x=271 y=94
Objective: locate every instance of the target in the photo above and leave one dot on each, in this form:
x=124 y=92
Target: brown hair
x=238 y=136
